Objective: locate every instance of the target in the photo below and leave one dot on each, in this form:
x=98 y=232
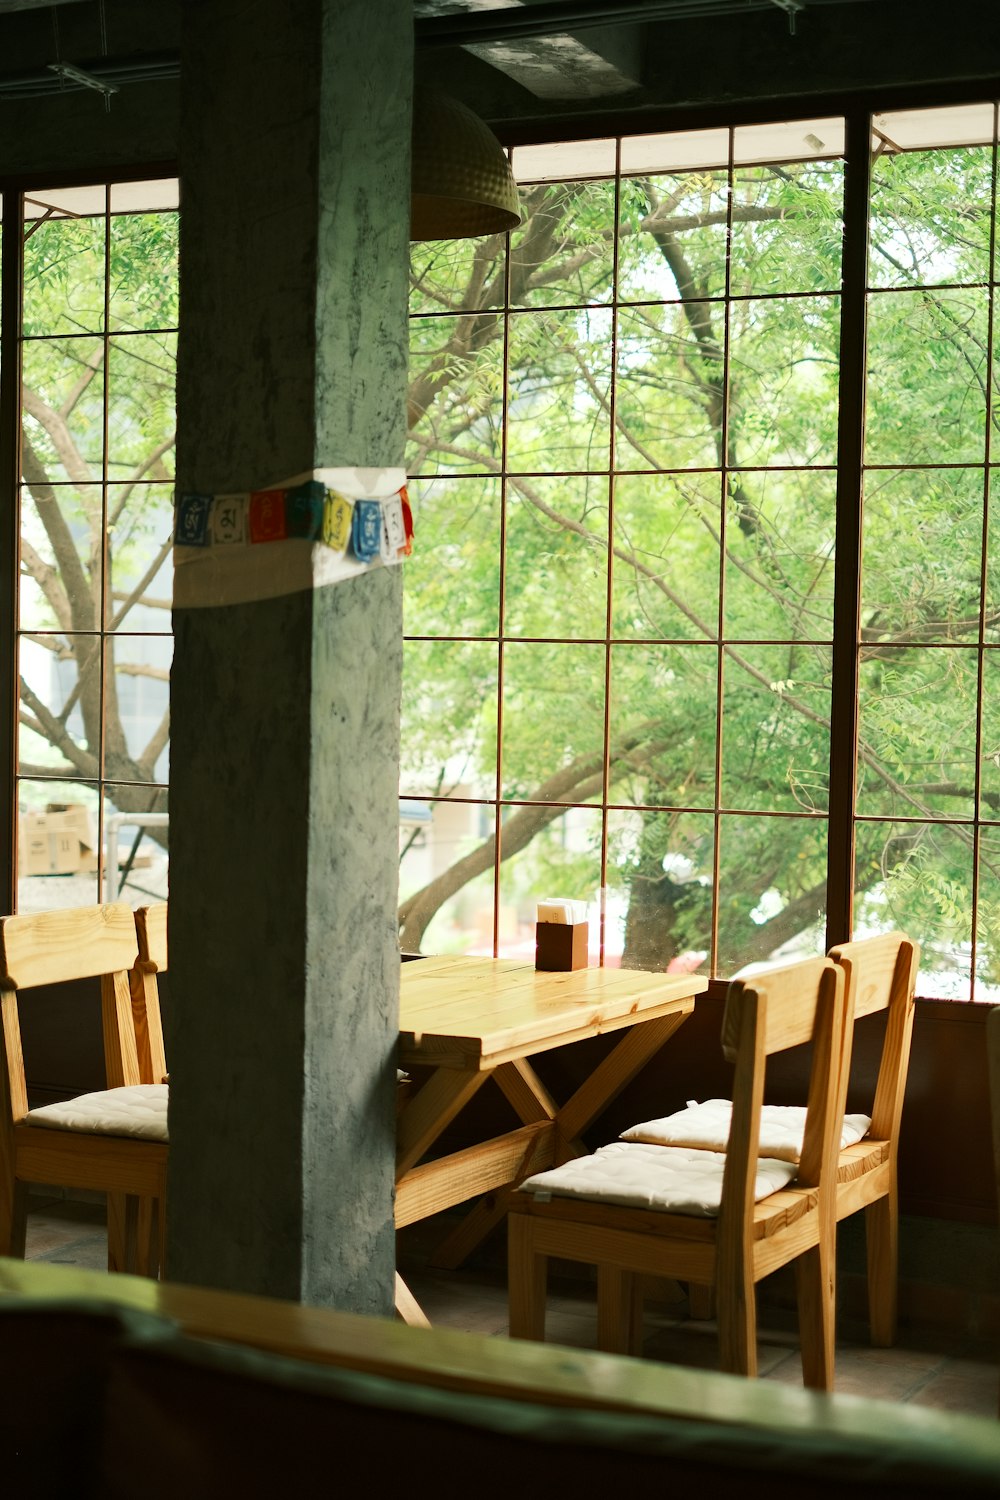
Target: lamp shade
x=462 y=184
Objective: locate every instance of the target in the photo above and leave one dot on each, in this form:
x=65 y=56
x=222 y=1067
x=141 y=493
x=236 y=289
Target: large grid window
x=625 y=427
x=97 y=355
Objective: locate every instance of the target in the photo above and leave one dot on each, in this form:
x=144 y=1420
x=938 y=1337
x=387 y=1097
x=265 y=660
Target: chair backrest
x=151 y=935
x=54 y=947
x=151 y=931
x=883 y=972
x=768 y=1013
x=51 y=947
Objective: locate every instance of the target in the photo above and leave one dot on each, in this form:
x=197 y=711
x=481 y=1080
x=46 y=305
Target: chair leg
x=527 y=1276
x=816 y=1285
x=13 y=1217
x=882 y=1243
x=615 y=1307
x=121 y=1210
x=736 y=1310
x=147 y=1256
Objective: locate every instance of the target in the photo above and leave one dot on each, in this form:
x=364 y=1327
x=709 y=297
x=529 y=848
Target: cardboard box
x=59 y=841
x=32 y=844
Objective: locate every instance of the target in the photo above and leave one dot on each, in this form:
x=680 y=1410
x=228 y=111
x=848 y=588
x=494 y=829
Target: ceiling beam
x=11 y=5
x=553 y=64
x=490 y=21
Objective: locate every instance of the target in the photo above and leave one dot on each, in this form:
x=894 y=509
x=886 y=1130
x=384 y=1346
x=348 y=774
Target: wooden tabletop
x=473 y=1013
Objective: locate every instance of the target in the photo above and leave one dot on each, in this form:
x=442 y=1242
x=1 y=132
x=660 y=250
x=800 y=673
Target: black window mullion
x=10 y=476
x=847 y=575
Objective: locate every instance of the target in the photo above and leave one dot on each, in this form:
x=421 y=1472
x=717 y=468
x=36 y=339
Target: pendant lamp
x=462 y=184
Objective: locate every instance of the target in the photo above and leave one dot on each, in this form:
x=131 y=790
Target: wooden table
x=471 y=1019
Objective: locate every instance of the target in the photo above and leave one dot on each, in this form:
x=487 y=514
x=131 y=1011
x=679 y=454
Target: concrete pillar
x=284 y=969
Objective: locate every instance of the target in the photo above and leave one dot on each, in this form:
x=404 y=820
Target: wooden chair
x=752 y=1235
x=88 y=1143
x=133 y=1219
x=151 y=935
x=883 y=974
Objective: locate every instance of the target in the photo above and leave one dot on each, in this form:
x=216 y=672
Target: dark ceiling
x=520 y=63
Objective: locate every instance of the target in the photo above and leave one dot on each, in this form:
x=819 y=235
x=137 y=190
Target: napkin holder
x=560 y=944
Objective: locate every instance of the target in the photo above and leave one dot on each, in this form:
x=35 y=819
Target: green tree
x=720 y=595
x=98 y=375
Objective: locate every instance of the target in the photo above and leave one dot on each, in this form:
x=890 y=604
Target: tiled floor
x=927 y=1368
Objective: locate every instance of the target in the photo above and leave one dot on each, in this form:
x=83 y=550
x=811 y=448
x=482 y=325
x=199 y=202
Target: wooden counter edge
x=547 y=1374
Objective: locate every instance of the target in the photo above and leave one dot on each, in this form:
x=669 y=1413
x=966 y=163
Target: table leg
x=418 y=1126
x=432 y=1108
x=408 y=1309
x=532 y=1102
x=608 y=1079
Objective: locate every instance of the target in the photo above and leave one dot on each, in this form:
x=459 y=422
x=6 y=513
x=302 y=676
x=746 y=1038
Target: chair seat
x=139 y=1111
x=667 y=1179
x=705 y=1127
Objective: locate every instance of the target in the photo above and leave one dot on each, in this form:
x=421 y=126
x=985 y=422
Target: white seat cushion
x=706 y=1126
x=139 y=1111
x=671 y=1180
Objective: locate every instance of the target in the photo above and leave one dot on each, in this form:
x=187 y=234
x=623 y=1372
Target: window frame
x=13 y=189
x=842 y=817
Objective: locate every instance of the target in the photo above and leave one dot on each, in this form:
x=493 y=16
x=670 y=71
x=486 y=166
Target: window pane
x=457 y=275
x=926 y=400
x=141 y=420
x=137 y=707
x=453 y=577
x=776 y=728
x=928 y=588
x=917 y=732
x=992 y=604
x=560 y=391
x=556 y=580
x=553 y=725
x=666 y=563
x=772 y=877
x=663 y=725
x=989 y=763
x=563 y=255
x=917 y=878
x=987 y=977
x=60 y=705
x=787 y=228
x=563 y=862
x=61 y=556
x=136 y=841
x=142 y=292
x=63 y=410
x=672 y=237
x=140 y=557
x=436 y=919
x=449 y=730
x=930 y=217
x=780 y=538
x=57 y=844
x=783 y=381
x=456 y=395
x=670 y=381
x=659 y=896
x=64 y=276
